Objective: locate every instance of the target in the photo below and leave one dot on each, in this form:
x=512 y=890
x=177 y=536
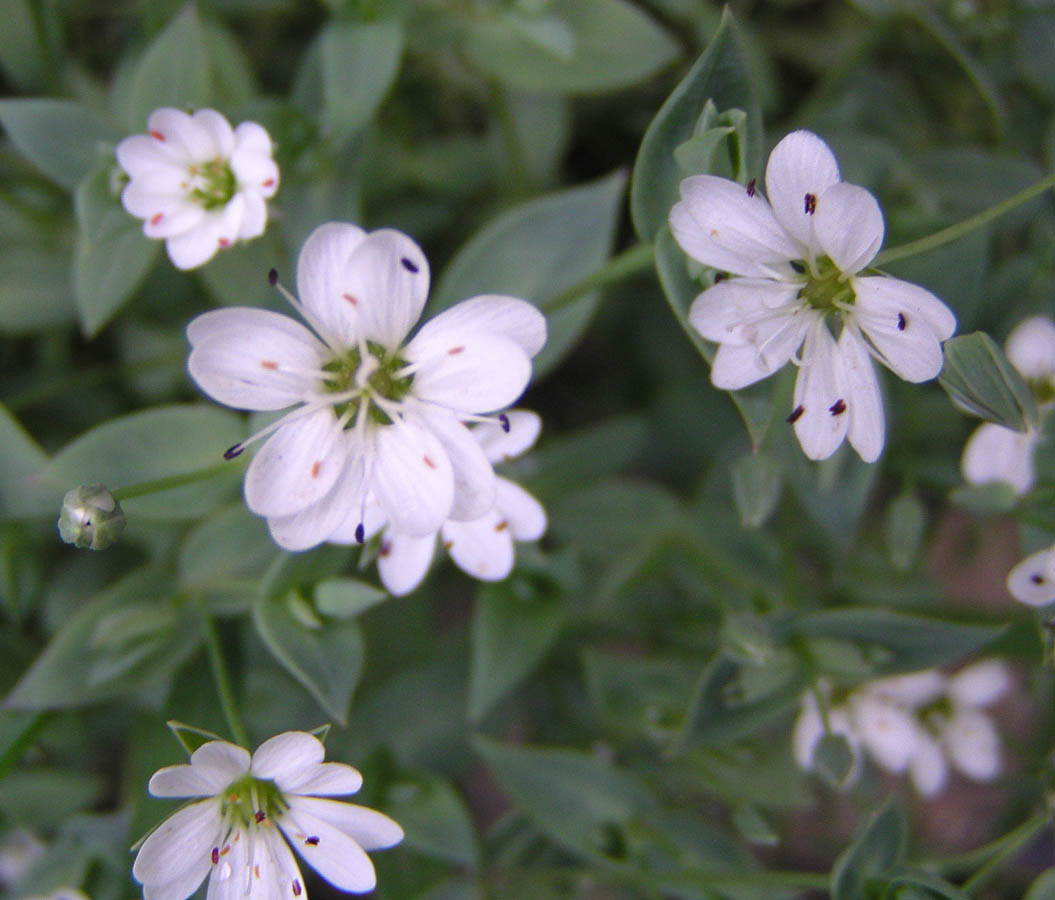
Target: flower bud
x=91 y=517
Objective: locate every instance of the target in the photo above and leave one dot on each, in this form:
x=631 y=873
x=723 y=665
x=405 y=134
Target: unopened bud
x=91 y=517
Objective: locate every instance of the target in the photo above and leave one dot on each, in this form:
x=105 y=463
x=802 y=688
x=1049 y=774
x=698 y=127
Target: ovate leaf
x=980 y=381
x=878 y=847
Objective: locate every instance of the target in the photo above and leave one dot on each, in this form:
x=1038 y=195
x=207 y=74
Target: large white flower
x=797 y=261
x=197 y=183
x=994 y=453
x=252 y=806
x=481 y=547
x=372 y=416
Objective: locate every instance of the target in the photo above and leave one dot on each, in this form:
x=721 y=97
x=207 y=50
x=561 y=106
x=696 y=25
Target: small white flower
x=994 y=453
x=797 y=261
x=372 y=417
x=887 y=729
x=1032 y=581
x=19 y=850
x=237 y=834
x=481 y=547
x=197 y=183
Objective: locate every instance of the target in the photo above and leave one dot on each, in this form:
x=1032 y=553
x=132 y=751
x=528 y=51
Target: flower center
x=375 y=380
x=252 y=800
x=826 y=288
x=213 y=183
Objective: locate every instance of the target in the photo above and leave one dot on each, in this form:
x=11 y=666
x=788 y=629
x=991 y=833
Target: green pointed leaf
x=346 y=598
x=720 y=75
x=981 y=382
x=574 y=47
x=434 y=818
x=359 y=62
x=174 y=71
x=21 y=460
x=879 y=846
x=35 y=289
x=1043 y=888
x=536 y=250
x=327 y=659
x=757 y=478
x=833 y=760
x=62 y=138
x=112 y=255
x=515 y=622
x=190 y=736
x=930 y=886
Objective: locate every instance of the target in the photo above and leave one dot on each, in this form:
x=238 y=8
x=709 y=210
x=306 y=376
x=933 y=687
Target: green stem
x=954 y=232
x=223 y=680
x=172 y=481
x=635 y=260
x=511 y=138
x=1004 y=849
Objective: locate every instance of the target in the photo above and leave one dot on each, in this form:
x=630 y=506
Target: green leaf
x=931 y=886
x=231 y=544
x=514 y=624
x=190 y=736
x=162 y=442
x=44 y=798
x=112 y=256
x=899 y=642
x=573 y=47
x=981 y=382
x=757 y=478
x=905 y=522
x=21 y=460
x=720 y=75
x=327 y=659
x=833 y=759
x=35 y=289
x=18 y=731
x=99 y=652
x=62 y=138
x=581 y=801
x=537 y=250
x=434 y=818
x=879 y=846
x=174 y=71
x=1043 y=888
x=985 y=499
x=346 y=598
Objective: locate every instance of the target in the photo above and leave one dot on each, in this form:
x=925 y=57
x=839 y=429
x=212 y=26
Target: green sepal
x=190 y=736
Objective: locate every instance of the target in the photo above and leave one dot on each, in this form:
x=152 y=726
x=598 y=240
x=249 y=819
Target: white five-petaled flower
x=994 y=453
x=481 y=547
x=236 y=835
x=197 y=183
x=372 y=417
x=797 y=261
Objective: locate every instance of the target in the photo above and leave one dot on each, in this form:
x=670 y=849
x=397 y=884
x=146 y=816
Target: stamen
x=260 y=816
x=796 y=414
x=409 y=266
x=272 y=277
x=296 y=888
x=751 y=187
x=360 y=533
x=719 y=276
x=215 y=856
x=1037 y=578
x=810 y=204
x=336 y=346
x=503 y=420
x=799 y=267
x=311 y=841
x=901 y=322
x=838 y=407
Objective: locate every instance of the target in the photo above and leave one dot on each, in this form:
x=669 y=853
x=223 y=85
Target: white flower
x=1032 y=581
x=809 y=729
x=19 y=850
x=235 y=834
x=797 y=261
x=371 y=417
x=994 y=453
x=481 y=547
x=197 y=183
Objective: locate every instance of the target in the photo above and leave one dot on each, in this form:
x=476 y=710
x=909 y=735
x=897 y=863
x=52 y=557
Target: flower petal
x=799 y=165
x=732 y=311
x=284 y=757
x=510 y=317
x=905 y=325
x=177 y=130
x=180 y=887
x=173 y=852
x=848 y=225
x=215 y=231
x=821 y=395
x=994 y=453
x=980 y=684
x=318 y=522
x=775 y=342
x=867 y=426
x=298 y=465
x=329 y=851
x=412 y=478
x=973 y=744
x=183 y=781
x=388 y=277
x=500 y=445
x=403 y=561
x=720 y=225
x=251 y=137
x=928 y=769
x=218 y=128
x=1032 y=581
x=370 y=829
x=474 y=477
x=253 y=359
x=1031 y=347
x=321 y=268
x=326 y=779
x=142 y=154
x=221 y=761
x=482 y=548
x=888 y=732
x=255 y=218
x=525 y=515
x=469 y=372
x=912 y=690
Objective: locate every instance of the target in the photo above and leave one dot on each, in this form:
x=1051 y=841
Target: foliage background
x=613 y=720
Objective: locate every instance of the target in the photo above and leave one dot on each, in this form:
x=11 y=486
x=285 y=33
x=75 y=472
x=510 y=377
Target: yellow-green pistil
x=252 y=800
x=215 y=183
x=826 y=288
x=382 y=381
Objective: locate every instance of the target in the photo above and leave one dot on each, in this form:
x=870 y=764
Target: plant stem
x=223 y=680
x=1004 y=849
x=630 y=262
x=171 y=481
x=953 y=232
x=511 y=138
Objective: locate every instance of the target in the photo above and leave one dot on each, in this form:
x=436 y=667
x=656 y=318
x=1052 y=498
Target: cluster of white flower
x=196 y=183
x=921 y=724
x=379 y=426
x=796 y=262
x=236 y=835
